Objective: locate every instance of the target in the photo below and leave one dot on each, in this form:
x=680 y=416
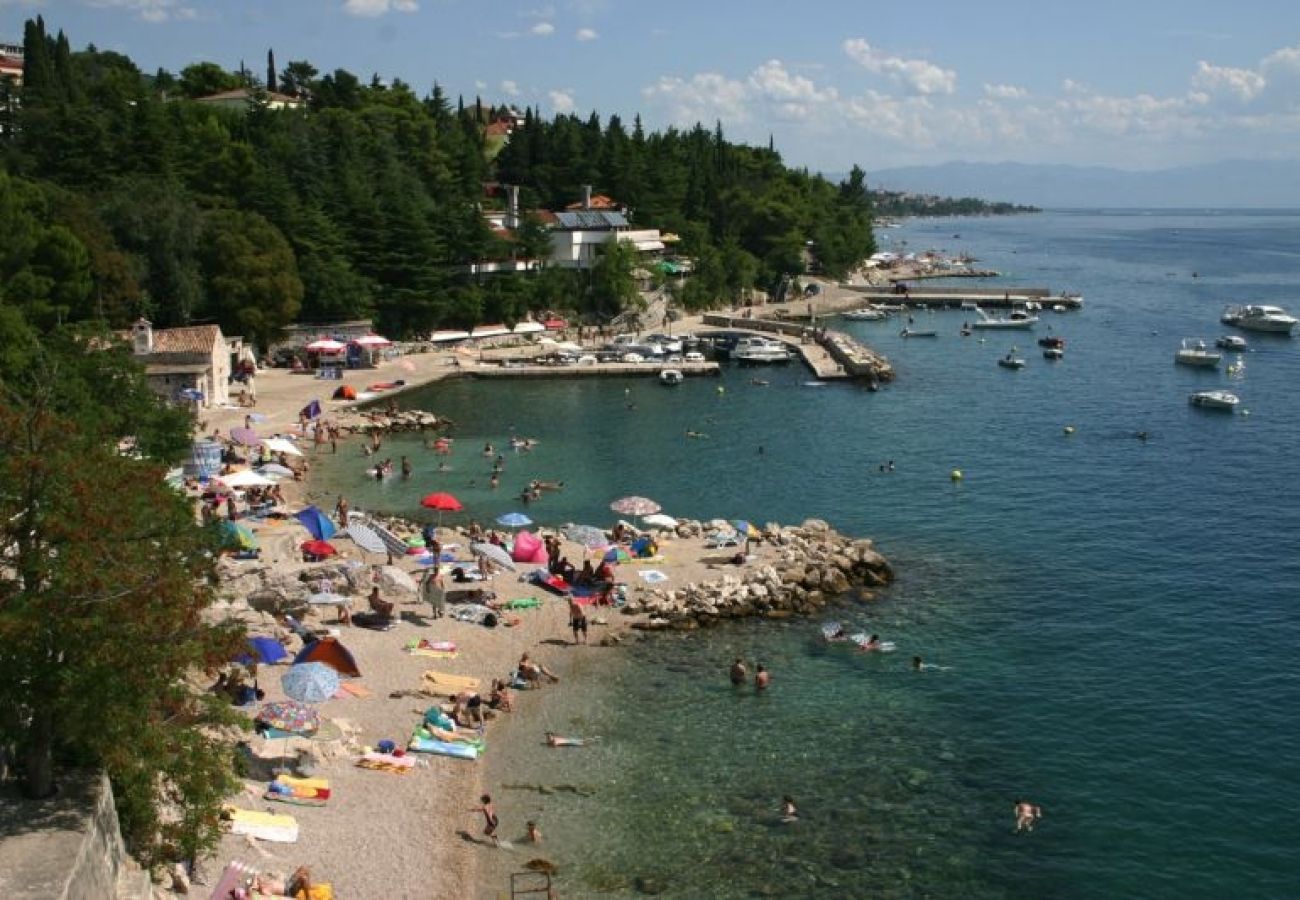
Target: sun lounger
x=720 y=539
x=262 y=825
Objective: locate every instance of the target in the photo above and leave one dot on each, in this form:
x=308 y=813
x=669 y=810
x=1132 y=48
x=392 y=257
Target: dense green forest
x=122 y=197
x=901 y=203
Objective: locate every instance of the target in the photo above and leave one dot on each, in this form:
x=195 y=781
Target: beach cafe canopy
x=487 y=331
x=326 y=345
x=371 y=340
x=280 y=445
x=439 y=337
x=555 y=324
x=529 y=327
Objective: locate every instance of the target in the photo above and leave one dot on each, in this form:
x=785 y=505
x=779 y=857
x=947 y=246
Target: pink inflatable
x=528 y=548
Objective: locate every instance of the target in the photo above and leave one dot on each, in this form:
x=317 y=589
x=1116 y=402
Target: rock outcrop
x=815 y=565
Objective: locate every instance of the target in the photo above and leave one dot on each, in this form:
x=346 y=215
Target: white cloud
x=150 y=10
x=561 y=101
x=919 y=76
x=1243 y=84
x=1005 y=92
x=542 y=29
x=480 y=84
x=510 y=88
x=586 y=34
x=369 y=9
x=703 y=97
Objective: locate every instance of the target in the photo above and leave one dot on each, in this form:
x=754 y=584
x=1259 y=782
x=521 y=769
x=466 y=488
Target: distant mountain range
x=1234 y=183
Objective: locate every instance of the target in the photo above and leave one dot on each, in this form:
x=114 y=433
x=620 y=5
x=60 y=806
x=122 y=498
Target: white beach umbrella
x=326 y=345
x=372 y=340
x=280 y=445
x=245 y=478
x=659 y=520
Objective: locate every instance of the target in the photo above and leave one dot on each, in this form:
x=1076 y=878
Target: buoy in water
x=721 y=389
x=1069 y=429
x=955 y=475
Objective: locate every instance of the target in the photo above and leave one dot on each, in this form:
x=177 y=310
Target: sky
x=1136 y=85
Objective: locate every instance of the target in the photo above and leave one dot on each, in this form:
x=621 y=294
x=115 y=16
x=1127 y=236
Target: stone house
x=191 y=364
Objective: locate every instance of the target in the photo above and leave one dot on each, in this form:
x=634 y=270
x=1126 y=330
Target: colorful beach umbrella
x=237 y=534
x=246 y=436
x=744 y=528
x=318 y=548
x=365 y=537
x=587 y=535
x=316 y=522
x=514 y=520
x=442 y=502
x=310 y=682
x=496 y=555
x=616 y=555
x=289 y=715
x=635 y=506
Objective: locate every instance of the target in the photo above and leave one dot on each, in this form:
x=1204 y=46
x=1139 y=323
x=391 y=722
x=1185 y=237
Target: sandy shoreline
x=407 y=832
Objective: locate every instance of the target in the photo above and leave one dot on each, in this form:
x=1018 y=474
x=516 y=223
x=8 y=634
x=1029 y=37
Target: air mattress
x=443 y=748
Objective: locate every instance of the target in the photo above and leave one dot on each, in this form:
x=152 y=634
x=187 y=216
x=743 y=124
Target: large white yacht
x=1259 y=317
x=760 y=350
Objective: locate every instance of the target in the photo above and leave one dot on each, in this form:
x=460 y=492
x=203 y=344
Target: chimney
x=586 y=196
x=142 y=337
x=512 y=206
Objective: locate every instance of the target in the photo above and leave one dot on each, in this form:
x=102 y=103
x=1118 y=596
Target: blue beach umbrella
x=315 y=521
x=616 y=555
x=744 y=528
x=310 y=682
x=514 y=520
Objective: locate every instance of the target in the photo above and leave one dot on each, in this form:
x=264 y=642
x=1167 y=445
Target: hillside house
x=191 y=364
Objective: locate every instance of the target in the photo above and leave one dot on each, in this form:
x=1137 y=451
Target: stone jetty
x=373 y=420
x=857 y=360
x=816 y=564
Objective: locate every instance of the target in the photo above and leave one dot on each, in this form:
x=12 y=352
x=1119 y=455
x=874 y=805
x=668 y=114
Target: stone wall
x=68 y=847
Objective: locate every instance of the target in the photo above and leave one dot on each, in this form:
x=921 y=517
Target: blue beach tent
x=265 y=650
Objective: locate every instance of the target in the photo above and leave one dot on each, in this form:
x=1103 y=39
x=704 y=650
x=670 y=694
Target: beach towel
x=553 y=583
x=262 y=825
x=386 y=762
x=235 y=875
x=432 y=649
x=356 y=690
x=522 y=603
x=653 y=576
x=640 y=560
x=443 y=748
x=459 y=682
x=299 y=791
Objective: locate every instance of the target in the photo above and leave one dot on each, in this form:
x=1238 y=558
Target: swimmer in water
x=1142 y=435
x=1027 y=814
x=738 y=672
x=555 y=740
x=918 y=664
x=789 y=812
x=695 y=434
x=873 y=643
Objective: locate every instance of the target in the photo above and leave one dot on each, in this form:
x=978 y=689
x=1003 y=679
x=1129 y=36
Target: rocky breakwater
x=814 y=564
x=405 y=420
x=858 y=361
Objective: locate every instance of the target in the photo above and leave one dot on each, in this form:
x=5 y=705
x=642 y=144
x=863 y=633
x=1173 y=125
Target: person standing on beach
x=577 y=619
x=762 y=678
x=341 y=511
x=738 y=672
x=432 y=590
x=490 y=820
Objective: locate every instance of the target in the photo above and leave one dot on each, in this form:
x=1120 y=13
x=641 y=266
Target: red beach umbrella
x=442 y=502
x=318 y=548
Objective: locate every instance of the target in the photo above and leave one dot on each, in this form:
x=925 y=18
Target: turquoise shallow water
x=1117 y=617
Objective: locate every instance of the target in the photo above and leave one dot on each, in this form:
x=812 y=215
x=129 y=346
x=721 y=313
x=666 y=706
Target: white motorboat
x=1053 y=353
x=1195 y=353
x=671 y=377
x=1231 y=342
x=1011 y=361
x=918 y=332
x=1017 y=319
x=1259 y=317
x=1225 y=400
x=867 y=314
x=757 y=350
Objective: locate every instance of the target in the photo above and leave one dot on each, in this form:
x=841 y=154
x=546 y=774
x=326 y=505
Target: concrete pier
x=835 y=355
x=603 y=370
x=953 y=298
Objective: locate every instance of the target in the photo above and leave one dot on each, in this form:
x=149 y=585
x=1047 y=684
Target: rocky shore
x=814 y=565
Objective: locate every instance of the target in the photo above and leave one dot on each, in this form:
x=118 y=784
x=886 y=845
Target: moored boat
x=1053 y=353
x=1017 y=319
x=671 y=377
x=759 y=350
x=866 y=314
x=1011 y=361
x=1222 y=400
x=1195 y=353
x=918 y=332
x=1259 y=317
x=1231 y=342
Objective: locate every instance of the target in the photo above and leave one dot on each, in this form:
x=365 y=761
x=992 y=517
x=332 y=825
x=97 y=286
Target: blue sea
x=1115 y=620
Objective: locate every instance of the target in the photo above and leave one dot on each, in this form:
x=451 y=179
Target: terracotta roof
x=246 y=94
x=194 y=339
x=598 y=201
x=545 y=216
x=498 y=129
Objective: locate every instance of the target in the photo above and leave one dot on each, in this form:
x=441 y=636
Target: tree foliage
x=101 y=599
x=377 y=193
